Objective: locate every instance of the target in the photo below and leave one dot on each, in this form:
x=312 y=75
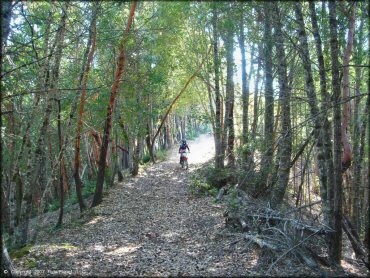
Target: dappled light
x=184 y=138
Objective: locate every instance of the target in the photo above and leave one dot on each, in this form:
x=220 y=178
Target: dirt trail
x=150 y=226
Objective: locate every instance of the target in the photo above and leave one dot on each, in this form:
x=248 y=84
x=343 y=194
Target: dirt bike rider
x=183 y=147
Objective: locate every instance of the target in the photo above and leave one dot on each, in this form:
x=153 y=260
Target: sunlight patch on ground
x=99 y=247
x=95 y=220
x=124 y=250
x=170 y=234
x=202 y=149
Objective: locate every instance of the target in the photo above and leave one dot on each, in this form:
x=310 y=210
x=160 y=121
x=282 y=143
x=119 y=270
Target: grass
x=20 y=253
x=31 y=262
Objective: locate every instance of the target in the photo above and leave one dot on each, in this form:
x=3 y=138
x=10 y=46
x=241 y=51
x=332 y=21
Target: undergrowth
x=87 y=191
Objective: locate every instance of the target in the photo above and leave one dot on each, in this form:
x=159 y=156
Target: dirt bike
x=184 y=159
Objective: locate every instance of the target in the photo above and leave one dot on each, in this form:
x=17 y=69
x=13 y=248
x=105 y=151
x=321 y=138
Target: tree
x=216 y=64
x=335 y=241
x=347 y=152
x=229 y=111
x=269 y=92
x=108 y=124
x=89 y=54
x=285 y=143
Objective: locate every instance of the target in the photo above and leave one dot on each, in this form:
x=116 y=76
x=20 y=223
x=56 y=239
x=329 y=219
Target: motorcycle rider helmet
x=183 y=141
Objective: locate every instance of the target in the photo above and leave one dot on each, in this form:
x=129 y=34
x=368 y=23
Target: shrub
x=218 y=177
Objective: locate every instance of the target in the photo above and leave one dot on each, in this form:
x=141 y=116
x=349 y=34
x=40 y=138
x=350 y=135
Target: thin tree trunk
x=6 y=10
x=255 y=98
x=85 y=75
x=136 y=157
x=229 y=112
x=63 y=176
x=347 y=152
x=7 y=268
x=358 y=157
x=32 y=190
x=269 y=92
x=335 y=243
x=218 y=138
x=245 y=93
x=98 y=196
x=285 y=144
x=323 y=146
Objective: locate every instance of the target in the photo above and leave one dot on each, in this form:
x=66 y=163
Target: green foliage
x=161 y=155
x=199 y=187
x=217 y=177
x=146 y=158
x=232 y=200
x=87 y=191
x=20 y=253
x=31 y=262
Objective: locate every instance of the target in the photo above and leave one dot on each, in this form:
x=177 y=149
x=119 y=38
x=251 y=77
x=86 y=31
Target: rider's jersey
x=184 y=147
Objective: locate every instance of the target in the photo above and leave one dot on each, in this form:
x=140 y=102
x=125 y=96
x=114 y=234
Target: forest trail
x=151 y=225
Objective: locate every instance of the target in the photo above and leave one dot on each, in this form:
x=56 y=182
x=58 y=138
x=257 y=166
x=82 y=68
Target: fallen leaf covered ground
x=150 y=225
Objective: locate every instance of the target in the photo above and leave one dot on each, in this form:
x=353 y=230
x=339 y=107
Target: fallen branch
x=291 y=249
x=261 y=243
x=295 y=224
x=353 y=238
x=305 y=206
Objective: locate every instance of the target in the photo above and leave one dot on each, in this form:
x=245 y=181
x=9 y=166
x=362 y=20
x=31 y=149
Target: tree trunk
x=218 y=138
x=62 y=169
x=33 y=188
x=335 y=241
x=6 y=9
x=98 y=195
x=347 y=152
x=7 y=268
x=269 y=92
x=323 y=146
x=136 y=157
x=229 y=112
x=245 y=93
x=85 y=75
x=255 y=98
x=285 y=144
x=358 y=157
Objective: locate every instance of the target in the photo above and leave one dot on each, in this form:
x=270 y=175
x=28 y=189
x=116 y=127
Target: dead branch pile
x=279 y=233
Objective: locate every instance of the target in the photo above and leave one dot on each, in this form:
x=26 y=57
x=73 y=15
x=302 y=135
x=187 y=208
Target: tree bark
x=245 y=93
x=33 y=188
x=219 y=163
x=85 y=75
x=255 y=98
x=335 y=241
x=323 y=146
x=229 y=113
x=62 y=169
x=269 y=92
x=98 y=195
x=6 y=9
x=347 y=151
x=7 y=268
x=357 y=155
x=285 y=144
